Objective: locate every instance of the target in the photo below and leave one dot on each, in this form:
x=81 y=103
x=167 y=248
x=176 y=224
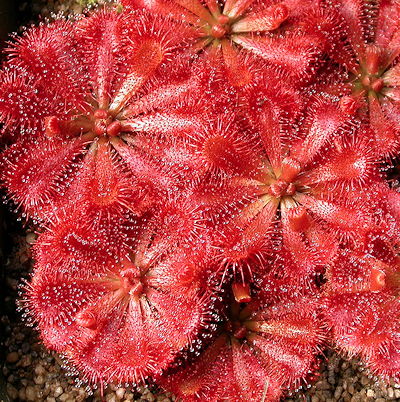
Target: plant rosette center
x=221 y=28
x=98 y=123
x=281 y=181
x=376 y=75
x=369 y=84
x=129 y=283
x=264 y=326
x=215 y=23
x=281 y=186
x=244 y=322
x=236 y=325
x=244 y=318
x=104 y=124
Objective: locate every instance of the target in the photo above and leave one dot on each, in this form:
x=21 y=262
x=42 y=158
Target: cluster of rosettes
x=208 y=181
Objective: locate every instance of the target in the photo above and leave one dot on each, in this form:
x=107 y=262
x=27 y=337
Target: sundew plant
x=208 y=181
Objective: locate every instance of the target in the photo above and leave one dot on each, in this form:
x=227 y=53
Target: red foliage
x=208 y=181
x=114 y=321
x=366 y=43
x=260 y=347
x=114 y=93
x=264 y=29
